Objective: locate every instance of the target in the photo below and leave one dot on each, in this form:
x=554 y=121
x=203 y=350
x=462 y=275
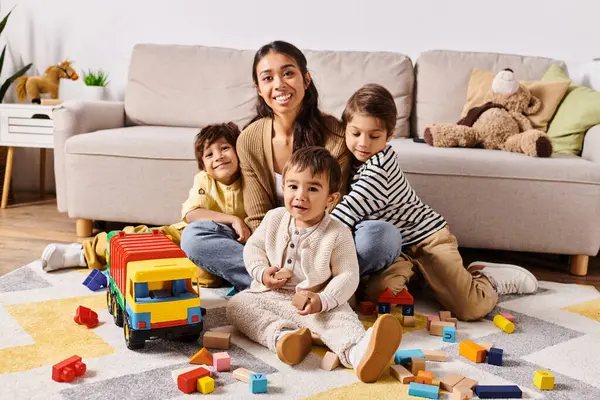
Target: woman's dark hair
x=309 y=127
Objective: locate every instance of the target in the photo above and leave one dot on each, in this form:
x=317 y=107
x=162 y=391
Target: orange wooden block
x=472 y=351
x=202 y=357
x=424 y=377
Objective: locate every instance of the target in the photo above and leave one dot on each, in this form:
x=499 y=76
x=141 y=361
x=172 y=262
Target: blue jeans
x=214 y=247
x=378 y=244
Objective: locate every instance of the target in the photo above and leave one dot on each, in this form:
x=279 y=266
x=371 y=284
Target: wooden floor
x=25 y=229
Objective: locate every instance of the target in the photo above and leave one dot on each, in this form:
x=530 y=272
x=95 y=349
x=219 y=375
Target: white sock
x=57 y=256
x=356 y=352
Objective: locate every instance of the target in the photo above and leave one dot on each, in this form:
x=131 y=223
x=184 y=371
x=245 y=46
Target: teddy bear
x=500 y=124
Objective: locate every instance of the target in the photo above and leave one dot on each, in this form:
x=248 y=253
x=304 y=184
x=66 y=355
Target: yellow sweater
x=255 y=151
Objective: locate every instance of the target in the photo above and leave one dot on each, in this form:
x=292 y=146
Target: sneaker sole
x=511 y=266
x=294 y=347
x=385 y=339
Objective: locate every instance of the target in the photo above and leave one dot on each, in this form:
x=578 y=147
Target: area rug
x=557 y=329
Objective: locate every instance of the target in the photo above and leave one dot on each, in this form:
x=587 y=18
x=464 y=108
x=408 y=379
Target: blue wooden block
x=421 y=390
x=384 y=308
x=95 y=280
x=498 y=392
x=408 y=310
x=495 y=356
x=258 y=383
x=402 y=357
x=231 y=291
x=449 y=334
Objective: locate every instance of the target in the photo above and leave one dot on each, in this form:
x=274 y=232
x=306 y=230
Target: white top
x=279 y=188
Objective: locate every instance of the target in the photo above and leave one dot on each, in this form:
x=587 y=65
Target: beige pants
x=262 y=316
x=94 y=250
x=438 y=260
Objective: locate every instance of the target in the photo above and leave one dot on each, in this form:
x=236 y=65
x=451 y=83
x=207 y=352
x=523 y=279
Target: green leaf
x=4 y=21
x=2 y=59
x=10 y=80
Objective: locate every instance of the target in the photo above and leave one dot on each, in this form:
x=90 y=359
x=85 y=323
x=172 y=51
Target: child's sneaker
x=371 y=355
x=58 y=256
x=506 y=278
x=293 y=347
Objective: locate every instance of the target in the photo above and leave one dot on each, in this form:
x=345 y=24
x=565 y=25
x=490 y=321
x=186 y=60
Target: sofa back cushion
x=443 y=79
x=192 y=86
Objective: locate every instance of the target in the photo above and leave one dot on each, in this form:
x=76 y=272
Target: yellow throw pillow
x=549 y=93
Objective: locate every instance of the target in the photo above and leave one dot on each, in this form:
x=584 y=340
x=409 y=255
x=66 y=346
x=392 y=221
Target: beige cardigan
x=327 y=256
x=255 y=151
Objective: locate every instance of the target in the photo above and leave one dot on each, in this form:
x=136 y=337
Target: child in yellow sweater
x=214 y=202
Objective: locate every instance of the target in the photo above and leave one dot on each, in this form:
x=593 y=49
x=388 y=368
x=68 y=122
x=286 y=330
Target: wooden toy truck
x=150 y=292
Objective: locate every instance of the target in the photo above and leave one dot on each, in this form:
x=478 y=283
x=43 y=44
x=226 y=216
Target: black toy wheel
x=132 y=344
x=117 y=313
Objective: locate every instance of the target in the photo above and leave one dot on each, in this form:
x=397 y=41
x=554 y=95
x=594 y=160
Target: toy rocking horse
x=34 y=86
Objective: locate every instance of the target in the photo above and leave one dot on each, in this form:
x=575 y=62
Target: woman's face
x=280 y=83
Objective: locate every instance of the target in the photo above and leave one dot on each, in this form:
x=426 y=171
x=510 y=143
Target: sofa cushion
x=193 y=86
x=494 y=164
x=443 y=78
x=549 y=93
x=153 y=142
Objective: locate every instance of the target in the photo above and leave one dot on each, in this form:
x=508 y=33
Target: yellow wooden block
x=206 y=385
x=504 y=324
x=544 y=380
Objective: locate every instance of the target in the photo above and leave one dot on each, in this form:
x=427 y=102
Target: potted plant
x=95 y=84
x=21 y=72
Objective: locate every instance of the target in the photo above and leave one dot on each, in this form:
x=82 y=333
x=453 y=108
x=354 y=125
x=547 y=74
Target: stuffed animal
x=34 y=86
x=500 y=124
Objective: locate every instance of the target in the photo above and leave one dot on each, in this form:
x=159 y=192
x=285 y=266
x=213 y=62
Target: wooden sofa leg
x=579 y=265
x=85 y=227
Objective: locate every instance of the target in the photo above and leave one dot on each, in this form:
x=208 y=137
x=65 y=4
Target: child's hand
x=241 y=229
x=313 y=306
x=269 y=279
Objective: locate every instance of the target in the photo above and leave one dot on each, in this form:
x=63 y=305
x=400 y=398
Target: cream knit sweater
x=327 y=257
x=255 y=151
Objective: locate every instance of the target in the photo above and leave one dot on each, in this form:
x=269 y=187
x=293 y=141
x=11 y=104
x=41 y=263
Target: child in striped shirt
x=380 y=191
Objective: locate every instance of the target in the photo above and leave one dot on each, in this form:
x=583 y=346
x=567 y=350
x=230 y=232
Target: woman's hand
x=241 y=229
x=313 y=305
x=269 y=280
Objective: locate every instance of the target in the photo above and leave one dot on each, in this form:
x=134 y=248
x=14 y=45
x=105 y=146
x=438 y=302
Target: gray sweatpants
x=262 y=316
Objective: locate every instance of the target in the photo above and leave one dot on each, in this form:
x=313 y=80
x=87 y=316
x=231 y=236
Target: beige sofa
x=133 y=161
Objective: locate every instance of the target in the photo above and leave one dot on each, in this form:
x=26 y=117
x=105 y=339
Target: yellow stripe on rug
x=589 y=309
x=386 y=388
x=56 y=335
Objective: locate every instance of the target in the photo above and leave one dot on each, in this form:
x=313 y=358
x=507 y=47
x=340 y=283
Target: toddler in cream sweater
x=300 y=249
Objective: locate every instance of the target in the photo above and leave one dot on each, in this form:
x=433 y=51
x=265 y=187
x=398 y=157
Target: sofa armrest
x=591 y=145
x=72 y=118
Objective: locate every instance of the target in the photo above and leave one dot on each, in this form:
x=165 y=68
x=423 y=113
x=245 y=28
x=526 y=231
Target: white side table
x=25 y=125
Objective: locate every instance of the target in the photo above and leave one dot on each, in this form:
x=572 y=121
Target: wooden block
x=494 y=356
x=437 y=327
x=430 y=319
x=435 y=382
x=202 y=357
x=470 y=383
x=424 y=377
x=544 y=380
x=330 y=361
x=450 y=381
x=216 y=340
x=283 y=273
x=187 y=382
x=421 y=390
x=299 y=300
x=402 y=374
x=243 y=374
x=222 y=362
x=504 y=324
x=367 y=308
x=454 y=321
x=498 y=392
x=444 y=315
x=408 y=320
x=449 y=334
x=435 y=355
x=175 y=373
x=472 y=351
x=416 y=365
x=404 y=357
x=317 y=341
x=461 y=393
x=486 y=345
x=205 y=385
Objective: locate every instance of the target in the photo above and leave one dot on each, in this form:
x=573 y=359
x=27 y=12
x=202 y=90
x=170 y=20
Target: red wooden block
x=67 y=370
x=85 y=316
x=367 y=308
x=187 y=382
x=403 y=297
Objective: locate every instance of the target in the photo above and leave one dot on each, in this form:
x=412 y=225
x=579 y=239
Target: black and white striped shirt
x=380 y=191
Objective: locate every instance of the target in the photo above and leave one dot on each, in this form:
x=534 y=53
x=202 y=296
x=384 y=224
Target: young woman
x=288 y=118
